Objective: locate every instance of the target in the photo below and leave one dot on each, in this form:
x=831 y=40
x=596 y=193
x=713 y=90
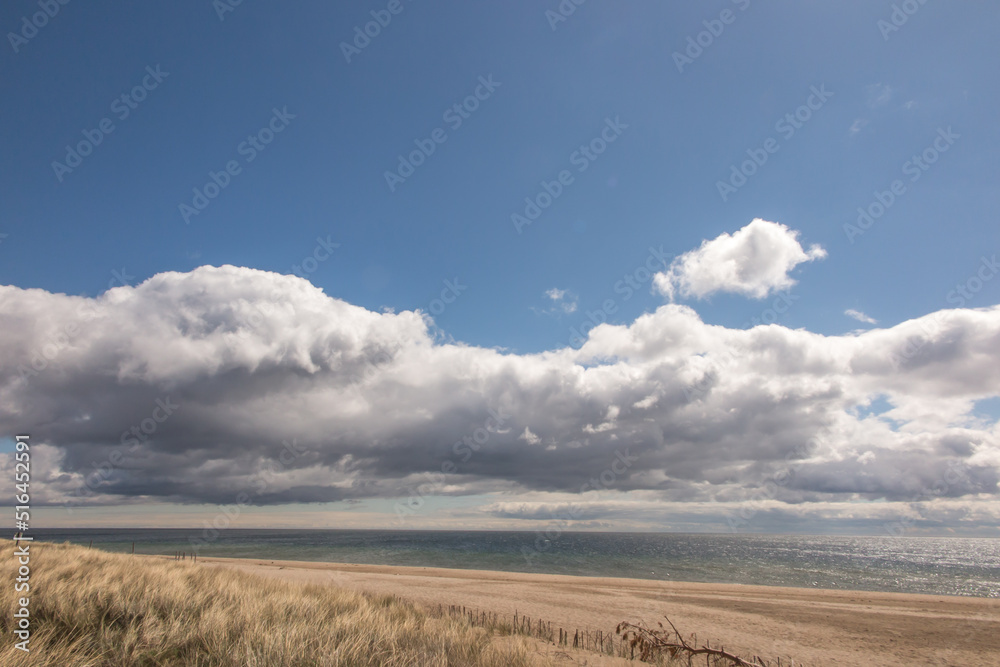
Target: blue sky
x=873 y=103
x=656 y=185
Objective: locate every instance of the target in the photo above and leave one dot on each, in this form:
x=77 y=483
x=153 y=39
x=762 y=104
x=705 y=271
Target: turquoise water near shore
x=943 y=566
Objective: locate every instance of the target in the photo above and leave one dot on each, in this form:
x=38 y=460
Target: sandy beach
x=811 y=626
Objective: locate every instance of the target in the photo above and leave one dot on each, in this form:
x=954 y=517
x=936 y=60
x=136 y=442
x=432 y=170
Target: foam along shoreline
x=811 y=626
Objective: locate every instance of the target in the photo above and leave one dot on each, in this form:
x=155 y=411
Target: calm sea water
x=946 y=566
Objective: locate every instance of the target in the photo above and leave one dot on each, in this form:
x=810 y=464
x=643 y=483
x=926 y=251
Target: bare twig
x=670 y=642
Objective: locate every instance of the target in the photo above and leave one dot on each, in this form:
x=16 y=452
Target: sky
x=719 y=267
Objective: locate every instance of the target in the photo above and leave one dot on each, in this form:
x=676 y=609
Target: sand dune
x=814 y=627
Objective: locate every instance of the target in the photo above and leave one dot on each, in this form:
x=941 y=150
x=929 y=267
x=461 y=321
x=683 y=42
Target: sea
x=940 y=566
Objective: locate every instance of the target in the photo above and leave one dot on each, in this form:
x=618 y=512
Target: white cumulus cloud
x=754 y=261
x=290 y=395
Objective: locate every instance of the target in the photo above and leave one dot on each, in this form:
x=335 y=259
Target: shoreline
x=809 y=625
x=476 y=573
x=908 y=564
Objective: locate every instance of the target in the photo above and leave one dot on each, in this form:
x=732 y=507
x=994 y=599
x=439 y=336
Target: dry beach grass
x=95 y=609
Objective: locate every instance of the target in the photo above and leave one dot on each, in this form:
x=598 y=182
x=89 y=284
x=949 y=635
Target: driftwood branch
x=651 y=643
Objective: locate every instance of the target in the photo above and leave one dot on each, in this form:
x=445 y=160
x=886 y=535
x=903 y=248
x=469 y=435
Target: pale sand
x=814 y=627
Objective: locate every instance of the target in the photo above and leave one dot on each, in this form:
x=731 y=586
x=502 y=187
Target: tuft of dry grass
x=95 y=609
